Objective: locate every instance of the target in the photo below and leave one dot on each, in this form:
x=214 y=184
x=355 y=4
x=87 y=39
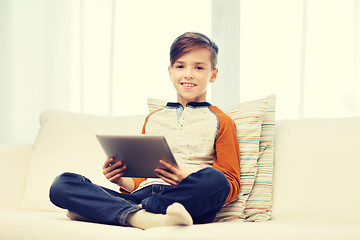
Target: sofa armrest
x=14 y=161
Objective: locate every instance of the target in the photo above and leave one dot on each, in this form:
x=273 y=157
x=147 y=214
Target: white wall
x=5 y=73
x=35 y=44
x=225 y=32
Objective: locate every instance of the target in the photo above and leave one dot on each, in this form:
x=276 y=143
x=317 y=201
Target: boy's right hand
x=114 y=171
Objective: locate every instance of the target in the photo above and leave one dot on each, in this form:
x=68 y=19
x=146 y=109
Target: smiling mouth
x=188 y=85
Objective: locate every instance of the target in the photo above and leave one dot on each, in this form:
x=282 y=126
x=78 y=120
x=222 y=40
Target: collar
x=190 y=104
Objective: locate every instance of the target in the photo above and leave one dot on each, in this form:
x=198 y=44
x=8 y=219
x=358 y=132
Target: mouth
x=188 y=85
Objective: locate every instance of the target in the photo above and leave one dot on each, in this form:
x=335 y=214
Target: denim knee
x=213 y=183
x=208 y=183
x=62 y=186
x=211 y=177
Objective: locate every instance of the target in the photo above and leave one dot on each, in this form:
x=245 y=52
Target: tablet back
x=141 y=153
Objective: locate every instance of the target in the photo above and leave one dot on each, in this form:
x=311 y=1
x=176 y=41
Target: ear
x=170 y=73
x=214 y=75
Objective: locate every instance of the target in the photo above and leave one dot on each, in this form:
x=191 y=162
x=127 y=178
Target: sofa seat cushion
x=32 y=225
x=271 y=230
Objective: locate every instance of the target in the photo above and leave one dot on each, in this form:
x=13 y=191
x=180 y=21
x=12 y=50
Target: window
x=107 y=57
x=307 y=52
x=121 y=51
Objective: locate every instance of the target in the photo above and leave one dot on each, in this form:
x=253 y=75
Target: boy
x=203 y=140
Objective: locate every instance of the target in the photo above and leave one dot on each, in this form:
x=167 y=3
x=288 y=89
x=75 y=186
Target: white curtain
x=103 y=57
x=107 y=57
x=305 y=51
x=35 y=65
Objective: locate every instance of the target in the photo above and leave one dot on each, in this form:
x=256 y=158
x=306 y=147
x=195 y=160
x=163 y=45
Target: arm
x=227 y=158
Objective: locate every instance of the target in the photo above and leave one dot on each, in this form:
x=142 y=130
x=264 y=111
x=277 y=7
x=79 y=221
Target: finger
x=117 y=171
x=116 y=177
x=112 y=167
x=108 y=162
x=117 y=164
x=164 y=172
x=169 y=166
x=116 y=168
x=168 y=175
x=168 y=180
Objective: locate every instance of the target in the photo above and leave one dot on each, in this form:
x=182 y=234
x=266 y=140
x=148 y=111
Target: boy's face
x=191 y=75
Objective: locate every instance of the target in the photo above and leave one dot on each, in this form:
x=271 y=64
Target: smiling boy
x=191 y=75
x=203 y=140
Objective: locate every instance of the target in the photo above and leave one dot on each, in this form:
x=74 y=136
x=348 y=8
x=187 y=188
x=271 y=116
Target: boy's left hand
x=172 y=175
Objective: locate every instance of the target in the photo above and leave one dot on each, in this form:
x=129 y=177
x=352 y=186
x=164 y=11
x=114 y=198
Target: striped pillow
x=259 y=203
x=255 y=126
x=248 y=118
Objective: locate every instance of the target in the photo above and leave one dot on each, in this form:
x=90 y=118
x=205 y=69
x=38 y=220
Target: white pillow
x=66 y=143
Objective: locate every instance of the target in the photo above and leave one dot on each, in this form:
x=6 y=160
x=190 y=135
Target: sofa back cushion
x=316 y=173
x=14 y=160
x=67 y=143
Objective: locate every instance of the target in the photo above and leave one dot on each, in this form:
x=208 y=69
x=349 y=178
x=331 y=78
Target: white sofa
x=315 y=193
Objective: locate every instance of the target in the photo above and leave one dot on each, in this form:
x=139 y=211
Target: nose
x=189 y=73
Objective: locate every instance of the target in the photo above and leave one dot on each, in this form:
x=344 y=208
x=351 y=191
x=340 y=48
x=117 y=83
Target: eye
x=199 y=68
x=179 y=66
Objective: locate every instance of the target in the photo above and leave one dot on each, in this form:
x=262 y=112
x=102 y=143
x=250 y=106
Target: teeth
x=188 y=84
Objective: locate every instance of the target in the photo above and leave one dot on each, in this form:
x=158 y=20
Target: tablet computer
x=140 y=153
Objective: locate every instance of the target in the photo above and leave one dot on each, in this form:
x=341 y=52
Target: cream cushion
x=318 y=170
x=14 y=160
x=67 y=142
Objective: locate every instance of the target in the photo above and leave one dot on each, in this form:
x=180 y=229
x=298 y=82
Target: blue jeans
x=202 y=193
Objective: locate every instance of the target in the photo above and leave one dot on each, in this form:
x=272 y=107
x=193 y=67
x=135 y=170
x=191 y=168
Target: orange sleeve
x=143 y=128
x=137 y=182
x=227 y=158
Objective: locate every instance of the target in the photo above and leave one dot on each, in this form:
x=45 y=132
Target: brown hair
x=190 y=41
